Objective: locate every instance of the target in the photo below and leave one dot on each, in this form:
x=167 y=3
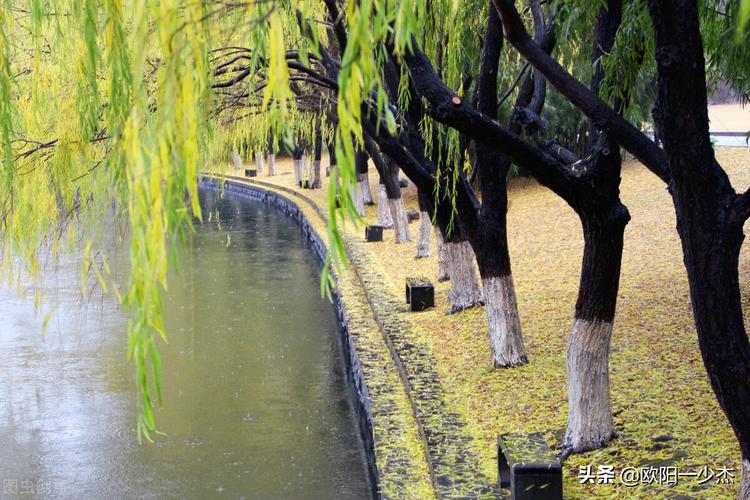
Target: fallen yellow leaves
x=658 y=383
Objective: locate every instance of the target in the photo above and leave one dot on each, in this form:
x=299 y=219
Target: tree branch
x=603 y=117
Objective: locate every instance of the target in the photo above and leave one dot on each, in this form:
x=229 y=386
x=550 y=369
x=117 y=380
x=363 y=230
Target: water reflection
x=255 y=400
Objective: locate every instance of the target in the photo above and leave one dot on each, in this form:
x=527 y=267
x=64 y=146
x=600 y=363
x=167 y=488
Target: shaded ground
x=664 y=407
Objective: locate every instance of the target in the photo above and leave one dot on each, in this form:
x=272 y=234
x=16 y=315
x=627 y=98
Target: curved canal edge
x=398 y=461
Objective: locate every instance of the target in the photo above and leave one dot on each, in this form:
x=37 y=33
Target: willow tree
x=108 y=104
x=104 y=109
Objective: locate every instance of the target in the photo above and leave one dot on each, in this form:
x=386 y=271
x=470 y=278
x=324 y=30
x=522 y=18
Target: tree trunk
x=259 y=162
x=501 y=309
x=236 y=160
x=306 y=171
x=400 y=220
x=363 y=184
x=271 y=164
x=443 y=274
x=367 y=191
x=590 y=423
x=317 y=181
x=423 y=238
x=744 y=493
x=384 y=211
x=710 y=215
x=359 y=202
x=711 y=258
x=297 y=171
x=465 y=291
x=331 y=157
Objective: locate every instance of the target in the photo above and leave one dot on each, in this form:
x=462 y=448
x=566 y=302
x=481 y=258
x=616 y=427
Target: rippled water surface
x=255 y=397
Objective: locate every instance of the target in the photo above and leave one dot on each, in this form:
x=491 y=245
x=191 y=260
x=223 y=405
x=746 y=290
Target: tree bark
x=316 y=179
x=271 y=164
x=236 y=160
x=501 y=310
x=384 y=211
x=306 y=167
x=744 y=492
x=297 y=162
x=423 y=237
x=710 y=215
x=259 y=162
x=400 y=220
x=590 y=424
x=331 y=146
x=364 y=181
x=360 y=166
x=359 y=202
x=443 y=274
x=465 y=291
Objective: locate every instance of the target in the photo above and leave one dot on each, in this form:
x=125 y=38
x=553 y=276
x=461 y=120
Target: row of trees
x=460 y=163
x=455 y=96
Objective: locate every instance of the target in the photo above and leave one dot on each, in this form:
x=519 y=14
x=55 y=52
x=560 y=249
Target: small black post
x=374 y=233
x=527 y=465
x=420 y=293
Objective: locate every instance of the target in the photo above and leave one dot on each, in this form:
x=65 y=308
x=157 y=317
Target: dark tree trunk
x=317 y=180
x=708 y=221
x=331 y=146
x=487 y=229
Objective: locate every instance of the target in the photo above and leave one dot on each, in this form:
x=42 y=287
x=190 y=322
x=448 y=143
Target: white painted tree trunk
x=443 y=274
x=501 y=310
x=400 y=220
x=272 y=164
x=384 y=211
x=297 y=172
x=744 y=493
x=259 y=162
x=359 y=202
x=423 y=238
x=317 y=181
x=364 y=185
x=305 y=169
x=589 y=412
x=465 y=291
x=236 y=160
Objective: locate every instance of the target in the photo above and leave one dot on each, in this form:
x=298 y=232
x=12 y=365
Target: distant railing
x=724 y=139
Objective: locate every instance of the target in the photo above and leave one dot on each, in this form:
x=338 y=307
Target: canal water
x=256 y=403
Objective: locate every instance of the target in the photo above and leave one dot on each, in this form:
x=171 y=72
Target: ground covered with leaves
x=664 y=409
